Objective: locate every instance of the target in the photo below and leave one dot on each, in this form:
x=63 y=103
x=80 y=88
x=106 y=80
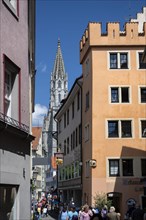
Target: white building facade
x=70 y=145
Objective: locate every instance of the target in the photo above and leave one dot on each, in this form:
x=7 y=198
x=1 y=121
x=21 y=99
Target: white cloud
x=38 y=115
x=44 y=68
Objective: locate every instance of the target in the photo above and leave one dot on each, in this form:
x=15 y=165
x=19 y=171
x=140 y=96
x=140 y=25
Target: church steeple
x=58 y=70
x=59 y=80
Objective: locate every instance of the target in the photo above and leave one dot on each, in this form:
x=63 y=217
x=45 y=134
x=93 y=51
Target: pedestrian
x=137 y=214
x=112 y=215
x=63 y=214
x=104 y=212
x=86 y=213
x=72 y=214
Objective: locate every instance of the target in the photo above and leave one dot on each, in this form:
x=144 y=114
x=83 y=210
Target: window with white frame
x=118 y=60
x=114 y=168
x=87 y=132
x=73 y=109
x=119 y=128
x=120 y=94
x=68 y=117
x=65 y=120
x=87 y=170
x=143 y=94
x=143 y=128
x=141 y=64
x=11 y=89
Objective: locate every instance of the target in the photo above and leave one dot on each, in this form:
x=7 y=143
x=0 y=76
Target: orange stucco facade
x=98 y=81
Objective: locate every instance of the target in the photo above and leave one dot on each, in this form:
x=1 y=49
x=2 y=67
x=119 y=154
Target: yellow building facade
x=114 y=114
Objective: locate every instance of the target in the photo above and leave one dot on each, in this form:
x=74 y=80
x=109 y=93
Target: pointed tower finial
x=58 y=42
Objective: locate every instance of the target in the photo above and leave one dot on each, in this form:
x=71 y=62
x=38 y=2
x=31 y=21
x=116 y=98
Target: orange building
x=113 y=114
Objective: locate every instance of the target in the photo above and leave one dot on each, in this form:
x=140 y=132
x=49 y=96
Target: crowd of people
x=88 y=213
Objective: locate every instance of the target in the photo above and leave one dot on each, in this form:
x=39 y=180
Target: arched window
x=59 y=84
x=59 y=97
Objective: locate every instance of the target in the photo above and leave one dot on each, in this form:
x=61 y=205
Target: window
x=76 y=137
x=73 y=106
x=143 y=167
x=80 y=134
x=126 y=129
x=119 y=128
x=78 y=100
x=143 y=128
x=113 y=130
x=119 y=60
x=13 y=6
x=59 y=84
x=114 y=95
x=120 y=94
x=59 y=126
x=64 y=147
x=87 y=132
x=114 y=169
x=87 y=67
x=68 y=117
x=143 y=94
x=87 y=100
x=142 y=65
x=127 y=166
x=59 y=97
x=9 y=195
x=73 y=139
x=68 y=145
x=11 y=89
x=65 y=120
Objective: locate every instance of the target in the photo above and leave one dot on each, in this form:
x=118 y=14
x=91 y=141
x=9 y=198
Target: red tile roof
x=36 y=131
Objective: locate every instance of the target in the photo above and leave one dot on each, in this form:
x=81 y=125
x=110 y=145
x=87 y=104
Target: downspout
x=81 y=158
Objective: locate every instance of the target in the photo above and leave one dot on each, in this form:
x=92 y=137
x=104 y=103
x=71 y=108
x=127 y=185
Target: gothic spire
x=58 y=70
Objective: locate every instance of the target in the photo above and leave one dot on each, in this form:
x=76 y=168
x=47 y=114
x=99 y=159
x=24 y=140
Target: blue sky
x=67 y=20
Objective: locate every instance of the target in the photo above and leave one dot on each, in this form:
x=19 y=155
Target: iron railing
x=4 y=118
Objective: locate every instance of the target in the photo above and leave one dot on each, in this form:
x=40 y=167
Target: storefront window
x=8 y=202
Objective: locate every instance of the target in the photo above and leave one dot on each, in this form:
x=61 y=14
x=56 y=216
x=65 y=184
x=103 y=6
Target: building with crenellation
x=114 y=114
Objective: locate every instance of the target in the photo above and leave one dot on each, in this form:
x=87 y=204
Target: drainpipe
x=81 y=158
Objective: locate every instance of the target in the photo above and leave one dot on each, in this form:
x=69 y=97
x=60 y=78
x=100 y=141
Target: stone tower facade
x=58 y=91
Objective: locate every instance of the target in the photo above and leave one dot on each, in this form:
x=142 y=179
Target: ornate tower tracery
x=59 y=80
x=58 y=91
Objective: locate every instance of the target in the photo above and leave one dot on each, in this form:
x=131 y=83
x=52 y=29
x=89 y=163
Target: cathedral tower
x=58 y=91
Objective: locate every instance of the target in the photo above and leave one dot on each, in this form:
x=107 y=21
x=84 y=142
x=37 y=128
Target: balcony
x=12 y=122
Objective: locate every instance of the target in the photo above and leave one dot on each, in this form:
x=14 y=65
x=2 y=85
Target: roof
x=36 y=131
